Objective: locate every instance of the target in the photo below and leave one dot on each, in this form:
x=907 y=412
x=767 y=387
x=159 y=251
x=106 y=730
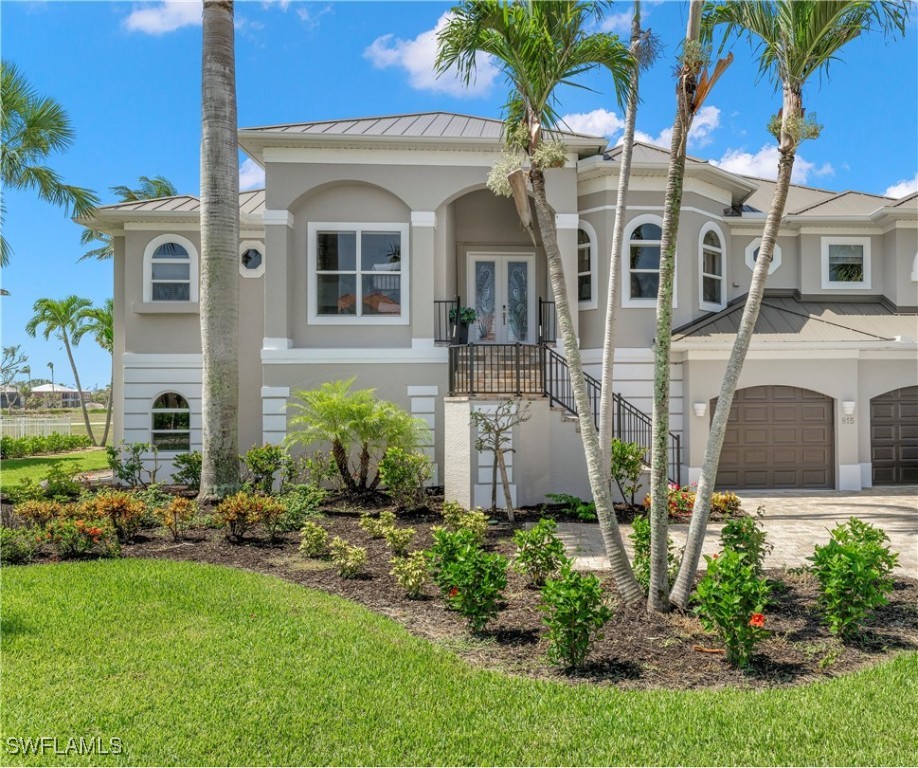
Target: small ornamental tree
x=495 y=433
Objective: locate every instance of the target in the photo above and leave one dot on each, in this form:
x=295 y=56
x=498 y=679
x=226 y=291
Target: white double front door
x=502 y=291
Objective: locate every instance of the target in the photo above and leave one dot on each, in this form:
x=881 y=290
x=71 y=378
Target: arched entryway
x=894 y=437
x=778 y=437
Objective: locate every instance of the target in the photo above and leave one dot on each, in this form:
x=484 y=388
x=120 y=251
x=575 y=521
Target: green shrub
x=575 y=613
x=627 y=467
x=640 y=537
x=399 y=539
x=376 y=527
x=125 y=511
x=177 y=515
x=411 y=573
x=19 y=545
x=575 y=506
x=853 y=571
x=60 y=483
x=187 y=469
x=83 y=537
x=445 y=549
x=302 y=502
x=745 y=535
x=127 y=463
x=540 y=553
x=457 y=518
x=155 y=500
x=34 y=445
x=403 y=474
x=26 y=489
x=730 y=600
x=313 y=540
x=347 y=559
x=271 y=513
x=263 y=463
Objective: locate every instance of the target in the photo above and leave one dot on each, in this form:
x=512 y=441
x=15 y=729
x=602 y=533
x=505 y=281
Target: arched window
x=641 y=262
x=586 y=266
x=711 y=266
x=170 y=428
x=170 y=269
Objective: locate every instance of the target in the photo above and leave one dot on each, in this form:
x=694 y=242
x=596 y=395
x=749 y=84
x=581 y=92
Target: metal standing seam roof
x=251 y=203
x=648 y=153
x=784 y=319
x=846 y=204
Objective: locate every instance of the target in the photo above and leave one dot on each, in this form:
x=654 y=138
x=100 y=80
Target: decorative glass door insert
x=503 y=298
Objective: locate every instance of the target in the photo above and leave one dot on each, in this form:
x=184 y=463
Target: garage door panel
x=756 y=435
x=894 y=437
x=781 y=413
x=785 y=435
x=754 y=414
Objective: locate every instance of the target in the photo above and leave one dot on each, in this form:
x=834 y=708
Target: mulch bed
x=638 y=651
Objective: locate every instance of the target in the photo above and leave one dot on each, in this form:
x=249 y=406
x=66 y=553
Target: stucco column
x=278 y=253
x=459 y=473
x=567 y=225
x=423 y=225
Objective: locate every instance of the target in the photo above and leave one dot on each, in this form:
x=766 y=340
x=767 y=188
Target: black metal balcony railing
x=443 y=326
x=548 y=322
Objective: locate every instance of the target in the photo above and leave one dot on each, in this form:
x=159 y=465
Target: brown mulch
x=637 y=651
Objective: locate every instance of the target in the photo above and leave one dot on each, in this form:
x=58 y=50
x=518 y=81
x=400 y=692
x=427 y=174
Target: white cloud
x=251 y=175
x=664 y=139
x=417 y=58
x=599 y=122
x=902 y=188
x=705 y=123
x=764 y=164
x=160 y=18
x=618 y=23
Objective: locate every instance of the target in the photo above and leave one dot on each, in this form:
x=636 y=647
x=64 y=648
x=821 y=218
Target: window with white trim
x=170 y=270
x=586 y=268
x=752 y=254
x=641 y=262
x=170 y=427
x=846 y=262
x=251 y=259
x=358 y=273
x=712 y=265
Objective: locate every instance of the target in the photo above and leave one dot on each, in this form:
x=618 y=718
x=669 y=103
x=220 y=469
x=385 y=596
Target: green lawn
x=14 y=471
x=192 y=664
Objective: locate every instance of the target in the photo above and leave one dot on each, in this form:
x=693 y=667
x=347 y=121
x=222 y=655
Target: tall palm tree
x=795 y=39
x=65 y=319
x=32 y=128
x=540 y=46
x=149 y=189
x=99 y=322
x=219 y=253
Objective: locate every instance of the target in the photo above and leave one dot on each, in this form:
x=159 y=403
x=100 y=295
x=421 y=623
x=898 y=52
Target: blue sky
x=129 y=76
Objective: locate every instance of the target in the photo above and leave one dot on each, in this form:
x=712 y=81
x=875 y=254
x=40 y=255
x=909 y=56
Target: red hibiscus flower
x=757 y=620
x=453 y=592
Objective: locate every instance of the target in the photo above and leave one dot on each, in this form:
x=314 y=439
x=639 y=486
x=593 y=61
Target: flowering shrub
x=376 y=528
x=313 y=540
x=640 y=537
x=574 y=613
x=347 y=559
x=177 y=514
x=124 y=510
x=40 y=513
x=19 y=545
x=399 y=539
x=682 y=500
x=477 y=581
x=457 y=518
x=411 y=573
x=745 y=535
x=853 y=571
x=730 y=600
x=82 y=537
x=404 y=474
x=540 y=553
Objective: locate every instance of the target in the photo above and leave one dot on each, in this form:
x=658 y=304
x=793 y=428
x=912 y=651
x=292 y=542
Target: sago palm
x=795 y=39
x=99 y=321
x=64 y=318
x=540 y=46
x=32 y=128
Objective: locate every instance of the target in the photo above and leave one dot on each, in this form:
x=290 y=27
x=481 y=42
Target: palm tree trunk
x=702 y=507
x=76 y=377
x=219 y=248
x=606 y=398
x=598 y=473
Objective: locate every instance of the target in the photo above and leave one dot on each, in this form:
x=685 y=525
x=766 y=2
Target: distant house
x=371 y=230
x=10 y=398
x=69 y=398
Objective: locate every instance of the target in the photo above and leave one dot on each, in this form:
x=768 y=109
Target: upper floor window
x=170 y=428
x=586 y=266
x=752 y=255
x=358 y=273
x=846 y=262
x=251 y=259
x=641 y=262
x=712 y=264
x=170 y=269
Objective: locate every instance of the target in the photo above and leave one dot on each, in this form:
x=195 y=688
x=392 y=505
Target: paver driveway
x=795 y=522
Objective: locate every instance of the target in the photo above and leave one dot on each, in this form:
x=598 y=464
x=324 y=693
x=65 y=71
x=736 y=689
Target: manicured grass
x=192 y=664
x=14 y=471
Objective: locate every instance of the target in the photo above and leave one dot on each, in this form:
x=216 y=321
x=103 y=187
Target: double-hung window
x=170 y=428
x=641 y=262
x=845 y=262
x=170 y=266
x=713 y=294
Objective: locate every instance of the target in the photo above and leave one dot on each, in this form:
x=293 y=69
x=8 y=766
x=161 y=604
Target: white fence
x=23 y=427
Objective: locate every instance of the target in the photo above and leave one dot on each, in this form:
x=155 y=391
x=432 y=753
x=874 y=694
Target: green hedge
x=18 y=447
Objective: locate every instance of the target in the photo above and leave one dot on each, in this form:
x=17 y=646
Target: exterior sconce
x=700 y=408
x=848 y=407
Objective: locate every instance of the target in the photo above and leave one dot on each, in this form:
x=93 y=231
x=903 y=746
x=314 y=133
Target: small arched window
x=711 y=257
x=170 y=269
x=642 y=262
x=171 y=423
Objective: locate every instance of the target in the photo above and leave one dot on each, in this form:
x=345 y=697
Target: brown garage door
x=894 y=437
x=778 y=437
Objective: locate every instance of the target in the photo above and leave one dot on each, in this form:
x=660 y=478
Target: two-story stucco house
x=370 y=230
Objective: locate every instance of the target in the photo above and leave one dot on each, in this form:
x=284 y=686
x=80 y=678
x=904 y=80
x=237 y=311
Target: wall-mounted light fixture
x=700 y=408
x=848 y=407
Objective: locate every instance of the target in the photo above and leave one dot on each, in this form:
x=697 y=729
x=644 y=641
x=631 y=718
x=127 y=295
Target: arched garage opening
x=894 y=437
x=778 y=437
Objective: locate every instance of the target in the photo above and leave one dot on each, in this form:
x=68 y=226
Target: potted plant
x=461 y=318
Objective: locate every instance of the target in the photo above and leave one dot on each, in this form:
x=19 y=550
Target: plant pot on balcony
x=460 y=334
x=463 y=317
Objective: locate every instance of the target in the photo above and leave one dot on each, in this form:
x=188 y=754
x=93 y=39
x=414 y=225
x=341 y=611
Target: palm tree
x=65 y=319
x=540 y=46
x=32 y=128
x=796 y=39
x=149 y=189
x=219 y=253
x=99 y=322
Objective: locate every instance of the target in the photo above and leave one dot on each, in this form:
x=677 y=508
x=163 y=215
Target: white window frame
x=835 y=285
x=708 y=305
x=915 y=269
x=594 y=254
x=193 y=268
x=750 y=256
x=312 y=284
x=154 y=411
x=255 y=245
x=627 y=300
